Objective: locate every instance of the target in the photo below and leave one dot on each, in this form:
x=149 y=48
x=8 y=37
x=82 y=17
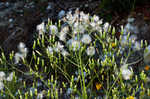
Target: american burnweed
x=78 y=57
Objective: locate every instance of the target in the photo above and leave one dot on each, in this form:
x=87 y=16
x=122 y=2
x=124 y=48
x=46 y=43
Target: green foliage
x=83 y=72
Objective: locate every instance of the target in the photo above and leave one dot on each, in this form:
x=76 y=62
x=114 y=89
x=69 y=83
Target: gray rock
x=61 y=14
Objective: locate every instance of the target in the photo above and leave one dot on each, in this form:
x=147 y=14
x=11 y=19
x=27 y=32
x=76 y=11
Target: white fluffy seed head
x=100 y=22
x=40 y=95
x=10 y=77
x=50 y=49
x=86 y=39
x=64 y=53
x=65 y=29
x=95 y=18
x=126 y=73
x=18 y=57
x=2 y=76
x=53 y=29
x=69 y=15
x=90 y=51
x=24 y=52
x=41 y=27
x=22 y=49
x=62 y=36
x=106 y=26
x=85 y=18
x=21 y=46
x=58 y=47
x=93 y=24
x=81 y=29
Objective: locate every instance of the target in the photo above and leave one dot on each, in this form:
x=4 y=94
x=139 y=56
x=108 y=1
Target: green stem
x=13 y=97
x=113 y=84
x=83 y=79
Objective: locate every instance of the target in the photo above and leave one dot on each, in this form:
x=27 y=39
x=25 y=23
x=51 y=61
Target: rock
x=139 y=27
x=18 y=21
x=61 y=14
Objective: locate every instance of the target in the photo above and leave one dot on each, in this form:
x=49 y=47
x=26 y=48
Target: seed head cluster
x=4 y=78
x=22 y=52
x=74 y=33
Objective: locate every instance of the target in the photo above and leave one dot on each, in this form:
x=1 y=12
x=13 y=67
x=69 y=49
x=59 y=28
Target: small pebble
x=11 y=20
x=61 y=14
x=49 y=7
